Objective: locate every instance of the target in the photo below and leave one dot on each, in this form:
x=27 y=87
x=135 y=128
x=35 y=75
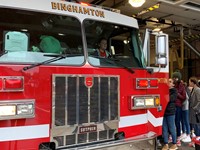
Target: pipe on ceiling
x=192 y=48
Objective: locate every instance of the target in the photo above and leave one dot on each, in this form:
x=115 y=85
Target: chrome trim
x=74 y=84
x=132 y=102
x=148 y=87
x=17 y=102
x=11 y=90
x=144 y=141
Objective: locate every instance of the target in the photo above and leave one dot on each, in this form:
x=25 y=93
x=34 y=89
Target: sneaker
x=183 y=136
x=173 y=147
x=191 y=144
x=187 y=139
x=178 y=143
x=165 y=147
x=158 y=143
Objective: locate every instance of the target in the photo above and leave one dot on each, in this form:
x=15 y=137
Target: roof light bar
x=84 y=4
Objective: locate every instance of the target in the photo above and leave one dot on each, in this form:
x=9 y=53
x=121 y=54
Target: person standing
x=194 y=105
x=179 y=101
x=185 y=116
x=169 y=118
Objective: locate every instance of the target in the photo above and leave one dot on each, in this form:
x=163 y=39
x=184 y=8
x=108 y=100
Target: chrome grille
x=70 y=139
x=82 y=138
x=92 y=136
x=103 y=135
x=75 y=105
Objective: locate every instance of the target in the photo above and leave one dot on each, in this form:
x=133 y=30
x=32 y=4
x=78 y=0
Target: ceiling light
x=136 y=3
x=157 y=29
x=24 y=30
x=61 y=34
x=126 y=41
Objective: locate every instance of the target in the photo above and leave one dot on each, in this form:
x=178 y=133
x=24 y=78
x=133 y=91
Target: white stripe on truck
x=139 y=119
x=24 y=132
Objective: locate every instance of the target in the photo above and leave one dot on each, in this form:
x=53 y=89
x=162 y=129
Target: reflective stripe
x=153 y=120
x=134 y=120
x=24 y=132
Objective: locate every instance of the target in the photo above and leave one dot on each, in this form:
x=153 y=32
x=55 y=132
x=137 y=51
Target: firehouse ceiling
x=168 y=15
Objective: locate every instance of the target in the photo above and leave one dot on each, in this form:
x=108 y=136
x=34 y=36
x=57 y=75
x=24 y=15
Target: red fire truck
x=56 y=94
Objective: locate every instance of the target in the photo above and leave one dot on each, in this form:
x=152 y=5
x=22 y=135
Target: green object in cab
x=49 y=44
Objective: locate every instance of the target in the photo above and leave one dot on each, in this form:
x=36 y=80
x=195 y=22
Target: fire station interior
x=178 y=18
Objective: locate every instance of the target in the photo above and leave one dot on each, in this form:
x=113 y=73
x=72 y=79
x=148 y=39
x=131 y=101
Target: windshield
x=32 y=37
x=113 y=45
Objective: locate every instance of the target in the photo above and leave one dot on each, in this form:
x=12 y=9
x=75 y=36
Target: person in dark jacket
x=169 y=117
x=179 y=101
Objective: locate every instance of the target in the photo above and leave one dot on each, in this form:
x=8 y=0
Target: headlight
x=149 y=101
x=139 y=102
x=7 y=110
x=17 y=109
x=25 y=109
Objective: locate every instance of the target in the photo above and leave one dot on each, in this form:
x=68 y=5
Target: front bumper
x=145 y=141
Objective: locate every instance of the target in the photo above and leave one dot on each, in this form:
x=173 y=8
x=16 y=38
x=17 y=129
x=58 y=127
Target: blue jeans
x=183 y=128
x=169 y=126
x=178 y=120
x=186 y=124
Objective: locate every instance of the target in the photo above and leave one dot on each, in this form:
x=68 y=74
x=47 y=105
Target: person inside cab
x=101 y=51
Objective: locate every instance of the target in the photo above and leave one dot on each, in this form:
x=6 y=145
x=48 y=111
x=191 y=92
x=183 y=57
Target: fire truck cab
x=56 y=94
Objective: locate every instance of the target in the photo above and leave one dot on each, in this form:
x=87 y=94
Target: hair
x=194 y=80
x=102 y=38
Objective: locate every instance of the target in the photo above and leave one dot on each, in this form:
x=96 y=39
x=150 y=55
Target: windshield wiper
x=117 y=62
x=3 y=53
x=57 y=57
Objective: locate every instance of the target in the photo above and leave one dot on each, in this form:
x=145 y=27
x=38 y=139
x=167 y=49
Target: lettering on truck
x=77 y=9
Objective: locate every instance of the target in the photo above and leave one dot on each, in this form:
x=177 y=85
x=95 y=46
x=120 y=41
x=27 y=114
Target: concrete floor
x=184 y=146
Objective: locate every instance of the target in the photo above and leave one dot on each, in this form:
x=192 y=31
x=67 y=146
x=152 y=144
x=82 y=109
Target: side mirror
x=161 y=42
